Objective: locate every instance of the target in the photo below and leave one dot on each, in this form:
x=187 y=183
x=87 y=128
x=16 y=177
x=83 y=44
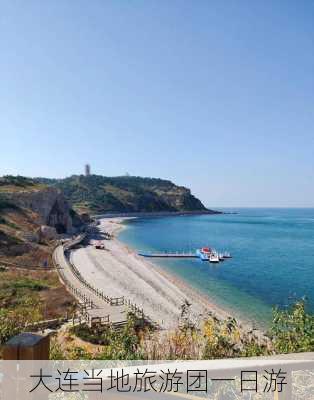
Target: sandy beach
x=119 y=271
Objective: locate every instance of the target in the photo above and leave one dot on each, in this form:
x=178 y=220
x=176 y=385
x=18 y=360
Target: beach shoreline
x=115 y=225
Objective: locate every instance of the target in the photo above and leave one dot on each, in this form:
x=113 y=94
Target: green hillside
x=99 y=194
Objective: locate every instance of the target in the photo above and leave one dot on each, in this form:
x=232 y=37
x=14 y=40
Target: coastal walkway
x=95 y=306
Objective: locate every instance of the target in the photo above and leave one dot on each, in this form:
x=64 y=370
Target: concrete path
x=117 y=314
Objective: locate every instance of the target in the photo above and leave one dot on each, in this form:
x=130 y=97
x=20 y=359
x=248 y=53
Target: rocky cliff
x=48 y=203
x=40 y=204
x=100 y=194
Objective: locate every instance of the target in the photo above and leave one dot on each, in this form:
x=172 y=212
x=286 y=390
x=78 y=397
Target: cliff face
x=44 y=205
x=99 y=194
x=48 y=203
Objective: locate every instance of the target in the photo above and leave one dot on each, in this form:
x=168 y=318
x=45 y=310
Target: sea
x=272 y=262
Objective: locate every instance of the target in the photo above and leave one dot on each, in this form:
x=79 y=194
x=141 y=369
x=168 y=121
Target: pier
x=169 y=255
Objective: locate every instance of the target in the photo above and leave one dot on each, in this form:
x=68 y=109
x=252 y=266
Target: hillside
x=28 y=212
x=99 y=194
x=31 y=216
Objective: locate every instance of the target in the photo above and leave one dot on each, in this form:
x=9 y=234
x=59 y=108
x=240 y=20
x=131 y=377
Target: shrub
x=4 y=204
x=14 y=321
x=292 y=329
x=119 y=345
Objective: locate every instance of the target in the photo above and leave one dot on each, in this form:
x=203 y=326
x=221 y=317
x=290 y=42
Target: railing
x=105 y=320
x=75 y=291
x=48 y=323
x=117 y=301
x=113 y=301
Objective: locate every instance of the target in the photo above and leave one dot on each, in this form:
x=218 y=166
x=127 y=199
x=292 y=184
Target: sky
x=214 y=95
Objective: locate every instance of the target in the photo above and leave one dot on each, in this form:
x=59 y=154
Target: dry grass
x=43 y=287
x=68 y=346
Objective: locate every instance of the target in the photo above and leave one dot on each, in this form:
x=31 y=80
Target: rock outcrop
x=47 y=233
x=45 y=205
x=48 y=203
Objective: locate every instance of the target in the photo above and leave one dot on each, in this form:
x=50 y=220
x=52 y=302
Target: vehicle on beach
x=99 y=246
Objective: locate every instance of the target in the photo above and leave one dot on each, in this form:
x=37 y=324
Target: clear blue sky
x=214 y=95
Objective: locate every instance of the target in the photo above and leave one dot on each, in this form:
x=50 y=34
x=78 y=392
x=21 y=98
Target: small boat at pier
x=204 y=253
x=214 y=257
x=200 y=254
x=211 y=255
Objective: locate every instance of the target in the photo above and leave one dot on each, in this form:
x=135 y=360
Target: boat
x=211 y=255
x=203 y=256
x=214 y=257
x=227 y=255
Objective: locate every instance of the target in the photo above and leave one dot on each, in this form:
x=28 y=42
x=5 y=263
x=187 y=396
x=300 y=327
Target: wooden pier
x=168 y=255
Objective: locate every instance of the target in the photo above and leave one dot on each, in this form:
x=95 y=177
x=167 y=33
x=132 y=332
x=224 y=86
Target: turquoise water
x=272 y=251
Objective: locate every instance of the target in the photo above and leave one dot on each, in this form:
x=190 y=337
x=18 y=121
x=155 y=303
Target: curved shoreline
x=116 y=224
x=127 y=215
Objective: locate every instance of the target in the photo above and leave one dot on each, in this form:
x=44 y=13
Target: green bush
x=292 y=329
x=16 y=181
x=25 y=283
x=119 y=344
x=4 y=204
x=13 y=321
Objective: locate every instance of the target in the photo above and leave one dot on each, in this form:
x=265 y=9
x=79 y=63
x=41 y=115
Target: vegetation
x=4 y=221
x=19 y=305
x=22 y=299
x=14 y=320
x=293 y=329
x=4 y=204
x=20 y=181
x=125 y=194
x=11 y=183
x=121 y=344
x=8 y=240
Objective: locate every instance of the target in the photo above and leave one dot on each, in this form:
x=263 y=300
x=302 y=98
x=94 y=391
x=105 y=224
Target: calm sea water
x=272 y=249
